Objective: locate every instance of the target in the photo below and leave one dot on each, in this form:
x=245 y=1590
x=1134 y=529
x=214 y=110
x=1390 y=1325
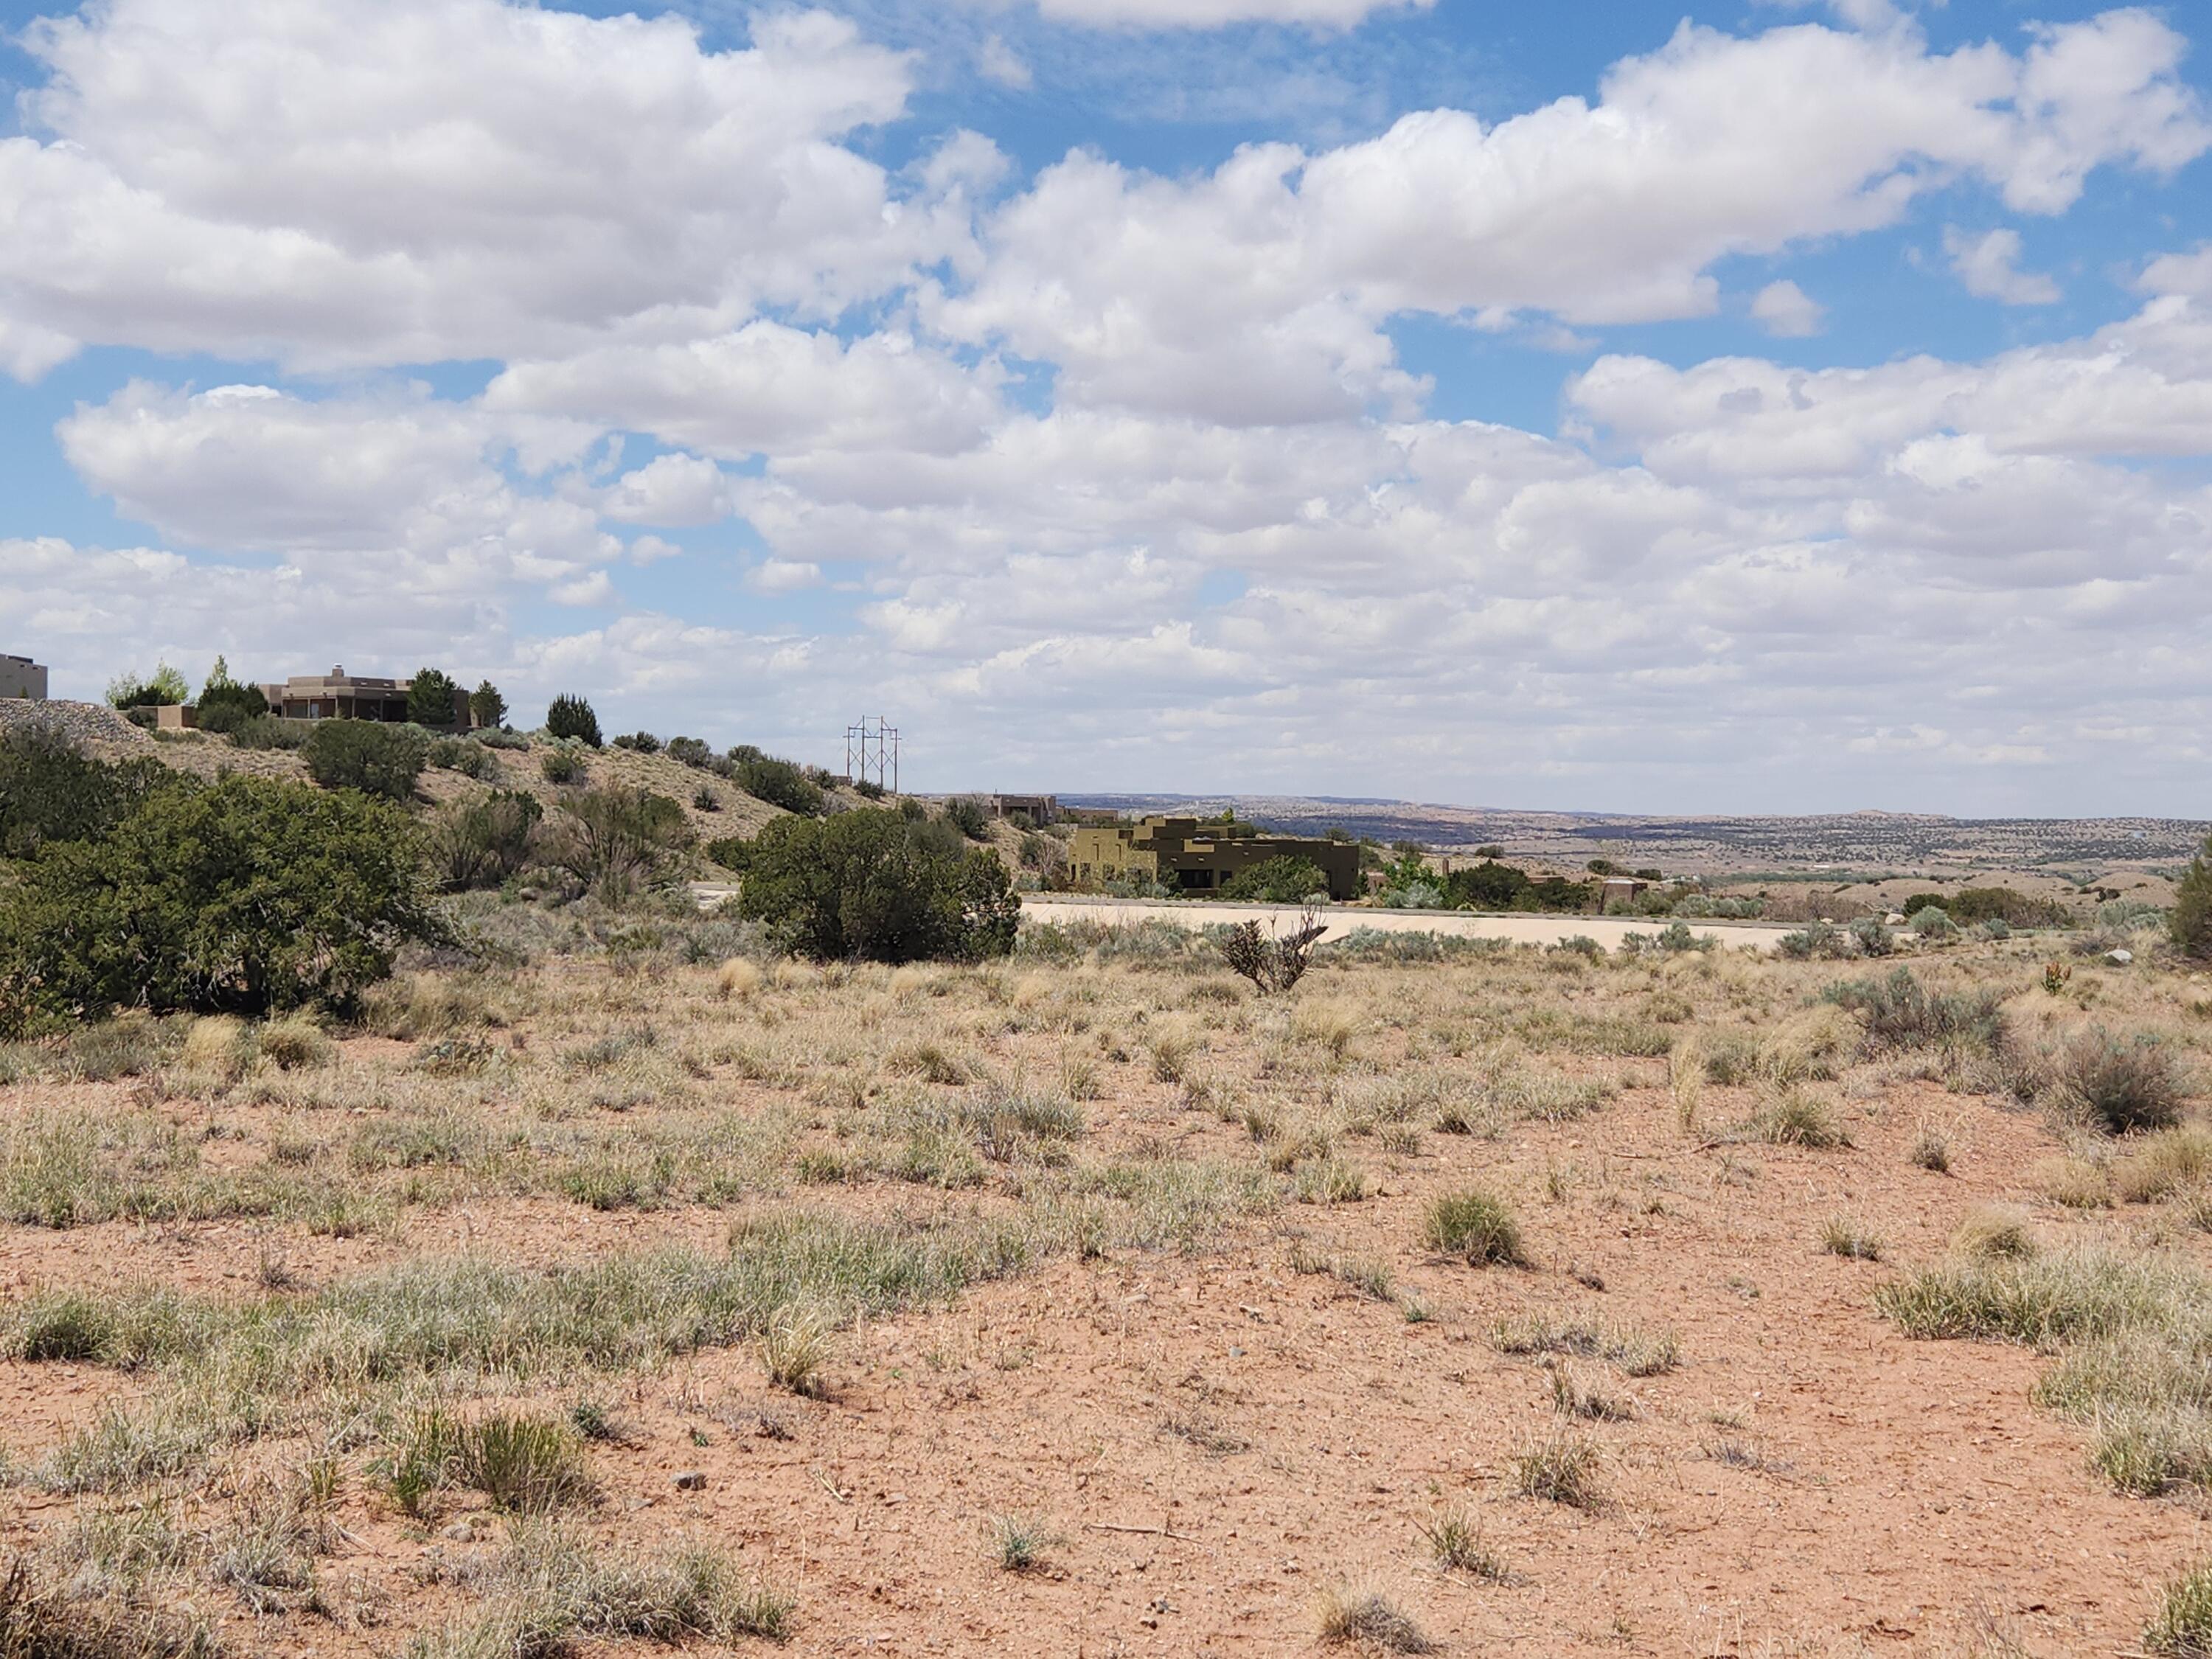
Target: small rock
x=462 y=1531
x=2121 y=958
x=690 y=1480
x=1892 y=920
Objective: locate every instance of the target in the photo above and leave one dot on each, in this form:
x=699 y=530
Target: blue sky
x=1785 y=408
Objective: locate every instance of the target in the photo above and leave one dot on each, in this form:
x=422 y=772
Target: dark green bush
x=863 y=885
x=570 y=716
x=2015 y=909
x=365 y=755
x=869 y=789
x=465 y=755
x=51 y=791
x=779 y=782
x=967 y=815
x=225 y=706
x=561 y=766
x=243 y=895
x=484 y=842
x=692 y=751
x=1278 y=881
x=2191 y=923
x=434 y=699
x=643 y=742
x=730 y=852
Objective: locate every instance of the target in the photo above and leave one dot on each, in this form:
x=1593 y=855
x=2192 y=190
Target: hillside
x=202 y=755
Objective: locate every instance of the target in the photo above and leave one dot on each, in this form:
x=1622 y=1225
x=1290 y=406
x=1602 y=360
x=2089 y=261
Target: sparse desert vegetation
x=606 y=1276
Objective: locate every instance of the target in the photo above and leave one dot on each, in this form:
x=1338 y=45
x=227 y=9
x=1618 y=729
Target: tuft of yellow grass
x=740 y=977
x=215 y=1048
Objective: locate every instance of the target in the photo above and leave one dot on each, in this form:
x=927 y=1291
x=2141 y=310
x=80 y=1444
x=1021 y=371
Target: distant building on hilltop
x=1200 y=858
x=340 y=695
x=22 y=677
x=1042 y=809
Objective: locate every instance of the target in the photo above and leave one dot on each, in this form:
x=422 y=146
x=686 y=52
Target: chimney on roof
x=338 y=670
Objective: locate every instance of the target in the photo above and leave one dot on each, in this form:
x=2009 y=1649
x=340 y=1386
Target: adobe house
x=1626 y=889
x=22 y=677
x=1042 y=809
x=340 y=695
x=1199 y=858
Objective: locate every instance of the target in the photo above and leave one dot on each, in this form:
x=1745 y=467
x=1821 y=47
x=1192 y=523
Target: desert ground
x=1511 y=1301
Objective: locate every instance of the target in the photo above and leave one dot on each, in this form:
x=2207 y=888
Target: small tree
x=224 y=704
x=245 y=896
x=375 y=759
x=868 y=884
x=432 y=697
x=615 y=839
x=2191 y=922
x=570 y=716
x=482 y=843
x=486 y=706
x=165 y=685
x=965 y=813
x=1273 y=963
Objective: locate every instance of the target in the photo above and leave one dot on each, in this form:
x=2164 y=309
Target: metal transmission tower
x=872 y=753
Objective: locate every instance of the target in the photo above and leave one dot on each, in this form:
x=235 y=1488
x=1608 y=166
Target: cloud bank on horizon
x=1800 y=410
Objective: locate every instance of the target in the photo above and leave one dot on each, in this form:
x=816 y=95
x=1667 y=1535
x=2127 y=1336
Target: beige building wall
x=22 y=677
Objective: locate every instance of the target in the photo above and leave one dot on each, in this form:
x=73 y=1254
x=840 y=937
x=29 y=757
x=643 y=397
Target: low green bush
x=1278 y=881
x=368 y=755
x=2190 y=922
x=779 y=782
x=1900 y=1012
x=243 y=895
x=51 y=791
x=863 y=884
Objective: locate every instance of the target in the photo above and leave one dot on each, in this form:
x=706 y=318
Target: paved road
x=1522 y=929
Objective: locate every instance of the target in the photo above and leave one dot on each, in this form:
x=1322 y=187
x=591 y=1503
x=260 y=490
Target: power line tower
x=872 y=753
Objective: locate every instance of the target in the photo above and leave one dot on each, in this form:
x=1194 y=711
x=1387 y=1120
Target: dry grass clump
x=1476 y=1226
x=2182 y=1627
x=216 y=1049
x=1994 y=1232
x=2119 y=1084
x=1841 y=1235
x=1930 y=1149
x=795 y=1346
x=1639 y=1353
x=1575 y=1396
x=740 y=977
x=39 y=1623
x=2163 y=1165
x=1794 y=1118
x=1560 y=1469
x=550 y=1584
x=2075 y=1183
x=1349 y=1614
x=295 y=1043
x=1019 y=1543
x=1455 y=1544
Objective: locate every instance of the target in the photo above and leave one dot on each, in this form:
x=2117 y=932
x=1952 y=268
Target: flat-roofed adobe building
x=1198 y=857
x=343 y=697
x=22 y=677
